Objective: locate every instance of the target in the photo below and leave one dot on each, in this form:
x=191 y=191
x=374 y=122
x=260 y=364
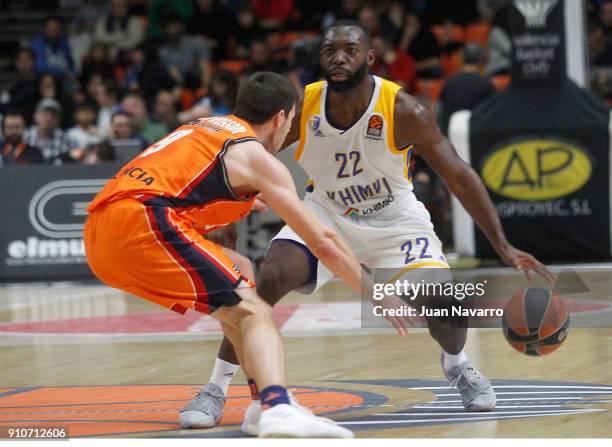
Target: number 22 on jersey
x=348 y=164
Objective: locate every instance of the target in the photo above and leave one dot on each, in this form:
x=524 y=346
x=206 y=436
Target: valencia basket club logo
x=375 y=126
x=535 y=11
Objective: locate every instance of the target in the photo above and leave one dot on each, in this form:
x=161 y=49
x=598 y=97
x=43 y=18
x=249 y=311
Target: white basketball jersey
x=357 y=171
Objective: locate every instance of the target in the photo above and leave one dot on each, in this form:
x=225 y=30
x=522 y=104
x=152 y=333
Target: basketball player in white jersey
x=356 y=135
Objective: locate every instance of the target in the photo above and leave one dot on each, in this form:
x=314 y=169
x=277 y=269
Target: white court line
x=473 y=415
x=460 y=407
x=521 y=386
x=481 y=418
x=532 y=392
x=513 y=398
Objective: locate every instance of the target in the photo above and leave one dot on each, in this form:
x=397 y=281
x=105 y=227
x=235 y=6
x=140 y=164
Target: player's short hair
x=350 y=23
x=262 y=95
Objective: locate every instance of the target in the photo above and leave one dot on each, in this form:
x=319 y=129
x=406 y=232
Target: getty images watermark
x=459 y=298
x=427 y=299
x=479 y=298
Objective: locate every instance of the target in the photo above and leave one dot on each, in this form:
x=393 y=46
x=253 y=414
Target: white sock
x=223 y=373
x=451 y=360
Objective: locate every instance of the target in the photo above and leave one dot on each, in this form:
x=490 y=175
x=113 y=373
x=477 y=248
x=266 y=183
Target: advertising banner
x=44 y=209
x=541 y=148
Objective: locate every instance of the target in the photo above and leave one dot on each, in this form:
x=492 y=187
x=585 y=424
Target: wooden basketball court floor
x=107 y=364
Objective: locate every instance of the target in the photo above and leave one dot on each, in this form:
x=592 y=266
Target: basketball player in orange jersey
x=356 y=136
x=144 y=235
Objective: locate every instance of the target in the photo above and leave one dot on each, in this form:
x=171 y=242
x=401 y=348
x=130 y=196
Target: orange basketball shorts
x=153 y=253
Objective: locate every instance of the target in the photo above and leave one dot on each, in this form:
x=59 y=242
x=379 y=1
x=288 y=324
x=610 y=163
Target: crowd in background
x=122 y=70
x=122 y=74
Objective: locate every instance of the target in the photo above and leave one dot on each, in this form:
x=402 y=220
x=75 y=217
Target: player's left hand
x=259 y=204
x=525 y=262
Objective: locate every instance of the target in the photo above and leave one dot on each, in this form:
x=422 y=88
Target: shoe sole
x=249 y=429
x=287 y=432
x=281 y=434
x=196 y=426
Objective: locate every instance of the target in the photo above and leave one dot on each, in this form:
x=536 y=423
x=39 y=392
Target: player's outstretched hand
x=400 y=323
x=527 y=263
x=388 y=302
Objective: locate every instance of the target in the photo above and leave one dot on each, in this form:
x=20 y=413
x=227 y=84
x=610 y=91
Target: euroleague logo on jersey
x=375 y=126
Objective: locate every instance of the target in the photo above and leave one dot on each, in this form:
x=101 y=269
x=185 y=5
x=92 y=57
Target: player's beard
x=349 y=84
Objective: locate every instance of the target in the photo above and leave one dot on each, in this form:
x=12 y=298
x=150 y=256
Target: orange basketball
x=535 y=321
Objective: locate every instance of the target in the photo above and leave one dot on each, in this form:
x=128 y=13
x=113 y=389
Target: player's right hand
x=401 y=323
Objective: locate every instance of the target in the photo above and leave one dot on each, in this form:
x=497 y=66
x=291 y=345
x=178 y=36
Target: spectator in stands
x=214 y=23
x=601 y=83
x=46 y=133
x=273 y=14
x=135 y=105
x=349 y=9
x=500 y=45
x=393 y=63
x=600 y=51
x=15 y=149
x=368 y=17
x=260 y=57
x=49 y=87
x=247 y=29
x=134 y=69
x=123 y=132
x=186 y=57
x=85 y=132
x=122 y=126
x=423 y=46
x=52 y=51
x=158 y=9
x=221 y=101
x=466 y=89
x=165 y=110
x=605 y=19
x=105 y=97
x=99 y=153
x=97 y=61
x=93 y=83
x=24 y=93
x=82 y=28
x=392 y=24
x=144 y=73
x=88 y=14
x=309 y=14
x=440 y=11
x=488 y=8
x=119 y=30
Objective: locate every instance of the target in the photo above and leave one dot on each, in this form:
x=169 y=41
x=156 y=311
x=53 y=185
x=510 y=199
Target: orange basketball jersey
x=185 y=171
